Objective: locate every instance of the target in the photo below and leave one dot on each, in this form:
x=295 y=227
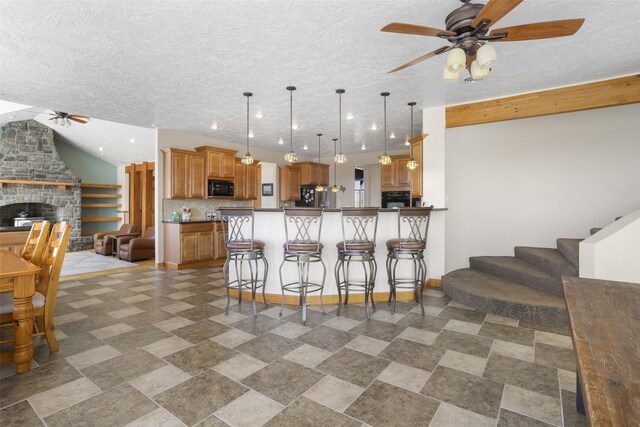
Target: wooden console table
x=605 y=327
x=19 y=276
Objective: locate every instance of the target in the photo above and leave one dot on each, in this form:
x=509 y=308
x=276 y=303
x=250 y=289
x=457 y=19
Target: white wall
x=613 y=253
x=527 y=182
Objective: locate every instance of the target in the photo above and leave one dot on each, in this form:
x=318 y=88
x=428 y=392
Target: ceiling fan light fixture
x=449 y=76
x=477 y=72
x=456 y=60
x=486 y=56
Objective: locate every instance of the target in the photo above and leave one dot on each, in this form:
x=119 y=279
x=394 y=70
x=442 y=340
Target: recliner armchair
x=131 y=248
x=102 y=242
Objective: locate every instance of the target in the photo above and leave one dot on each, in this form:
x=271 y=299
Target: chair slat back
x=36 y=242
x=303 y=226
x=359 y=225
x=52 y=265
x=413 y=225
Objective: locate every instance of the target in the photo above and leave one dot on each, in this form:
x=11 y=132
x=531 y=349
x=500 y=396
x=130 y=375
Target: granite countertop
x=193 y=221
x=338 y=210
x=11 y=228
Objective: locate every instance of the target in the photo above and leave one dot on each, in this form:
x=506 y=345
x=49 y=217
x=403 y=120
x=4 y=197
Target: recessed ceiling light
x=259 y=115
x=214 y=126
x=132 y=140
x=101 y=154
x=294 y=126
x=100 y=149
x=406 y=142
x=349 y=116
x=364 y=147
x=11 y=117
x=251 y=135
x=393 y=135
x=305 y=147
x=281 y=141
x=374 y=127
x=153 y=125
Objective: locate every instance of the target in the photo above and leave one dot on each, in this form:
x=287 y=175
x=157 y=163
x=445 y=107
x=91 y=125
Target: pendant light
x=412 y=163
x=247 y=159
x=291 y=155
x=319 y=187
x=335 y=188
x=340 y=158
x=385 y=159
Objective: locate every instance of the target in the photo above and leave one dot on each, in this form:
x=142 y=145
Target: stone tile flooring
x=154 y=347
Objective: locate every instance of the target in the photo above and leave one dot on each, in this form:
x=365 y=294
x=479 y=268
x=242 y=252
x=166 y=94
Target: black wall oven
x=220 y=188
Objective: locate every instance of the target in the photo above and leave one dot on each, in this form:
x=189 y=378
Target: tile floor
x=153 y=347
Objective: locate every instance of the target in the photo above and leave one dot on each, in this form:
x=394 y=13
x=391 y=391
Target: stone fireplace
x=28 y=153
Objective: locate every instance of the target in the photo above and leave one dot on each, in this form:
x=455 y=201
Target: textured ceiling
x=184 y=64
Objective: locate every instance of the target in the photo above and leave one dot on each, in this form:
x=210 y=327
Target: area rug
x=89 y=262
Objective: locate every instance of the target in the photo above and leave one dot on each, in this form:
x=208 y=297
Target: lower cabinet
x=219 y=252
x=188 y=244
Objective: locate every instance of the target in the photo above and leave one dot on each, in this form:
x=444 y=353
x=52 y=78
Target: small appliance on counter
x=218 y=188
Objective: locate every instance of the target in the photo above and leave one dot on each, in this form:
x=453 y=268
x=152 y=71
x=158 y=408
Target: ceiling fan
x=467 y=29
x=63 y=119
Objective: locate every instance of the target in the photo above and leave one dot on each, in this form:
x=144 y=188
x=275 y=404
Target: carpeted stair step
x=503 y=297
x=547 y=259
x=569 y=248
x=516 y=270
x=594 y=230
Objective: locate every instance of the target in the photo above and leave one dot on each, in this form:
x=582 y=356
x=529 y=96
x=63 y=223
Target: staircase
x=527 y=286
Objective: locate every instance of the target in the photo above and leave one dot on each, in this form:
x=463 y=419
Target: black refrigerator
x=310 y=198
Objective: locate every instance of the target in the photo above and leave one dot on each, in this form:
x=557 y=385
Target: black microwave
x=220 y=188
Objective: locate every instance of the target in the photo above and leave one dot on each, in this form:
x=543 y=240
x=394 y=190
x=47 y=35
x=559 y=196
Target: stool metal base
x=253 y=283
x=344 y=282
x=303 y=286
x=415 y=283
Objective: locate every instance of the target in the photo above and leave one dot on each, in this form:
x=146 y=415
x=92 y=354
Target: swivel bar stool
x=359 y=226
x=237 y=229
x=302 y=227
x=413 y=224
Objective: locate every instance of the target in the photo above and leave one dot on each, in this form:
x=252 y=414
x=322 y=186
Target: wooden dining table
x=18 y=276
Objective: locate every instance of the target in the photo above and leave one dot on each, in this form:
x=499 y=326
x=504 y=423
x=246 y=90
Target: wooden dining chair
x=44 y=300
x=36 y=242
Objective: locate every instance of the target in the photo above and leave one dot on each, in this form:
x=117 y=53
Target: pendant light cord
x=411 y=133
x=385 y=124
x=291 y=119
x=335 y=165
x=340 y=119
x=247 y=124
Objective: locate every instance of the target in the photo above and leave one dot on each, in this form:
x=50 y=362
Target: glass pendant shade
x=335 y=189
x=319 y=188
x=477 y=72
x=340 y=158
x=450 y=76
x=486 y=56
x=412 y=164
x=291 y=157
x=384 y=160
x=247 y=159
x=456 y=60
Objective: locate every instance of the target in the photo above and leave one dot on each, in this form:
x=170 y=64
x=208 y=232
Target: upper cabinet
x=184 y=174
x=397 y=177
x=289 y=178
x=416 y=174
x=246 y=181
x=220 y=162
x=313 y=173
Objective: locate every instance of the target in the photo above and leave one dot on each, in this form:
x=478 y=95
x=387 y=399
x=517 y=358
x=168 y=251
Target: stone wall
x=27 y=152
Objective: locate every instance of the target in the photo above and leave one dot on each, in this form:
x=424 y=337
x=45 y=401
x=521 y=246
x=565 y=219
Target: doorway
x=358 y=188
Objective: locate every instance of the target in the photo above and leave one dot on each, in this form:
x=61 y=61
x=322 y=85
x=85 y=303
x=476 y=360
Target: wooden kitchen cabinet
x=219 y=251
x=395 y=176
x=313 y=173
x=246 y=181
x=239 y=181
x=251 y=184
x=188 y=244
x=416 y=174
x=184 y=174
x=220 y=162
x=289 y=177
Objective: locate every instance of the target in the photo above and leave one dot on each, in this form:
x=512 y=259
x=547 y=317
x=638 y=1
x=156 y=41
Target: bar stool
x=359 y=226
x=302 y=227
x=242 y=248
x=413 y=224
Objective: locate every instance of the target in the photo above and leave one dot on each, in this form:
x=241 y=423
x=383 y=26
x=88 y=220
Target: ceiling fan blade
x=420 y=59
x=417 y=30
x=494 y=10
x=78 y=116
x=75 y=119
x=539 y=30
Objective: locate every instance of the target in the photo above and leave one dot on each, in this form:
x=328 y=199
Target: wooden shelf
x=89 y=185
x=100 y=196
x=111 y=219
x=101 y=205
x=60 y=185
x=91 y=233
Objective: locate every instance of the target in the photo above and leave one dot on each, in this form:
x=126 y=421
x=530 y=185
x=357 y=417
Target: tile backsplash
x=199 y=208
